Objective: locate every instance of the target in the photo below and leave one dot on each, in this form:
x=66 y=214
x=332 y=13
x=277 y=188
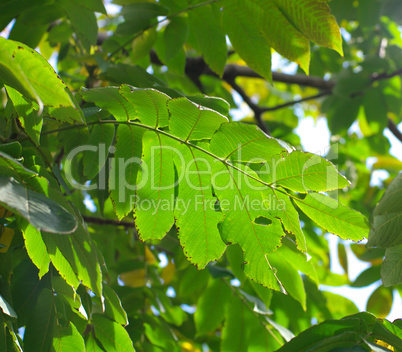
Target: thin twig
x=256 y=109
x=293 y=102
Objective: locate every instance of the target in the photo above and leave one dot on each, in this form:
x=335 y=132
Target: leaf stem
x=132 y=123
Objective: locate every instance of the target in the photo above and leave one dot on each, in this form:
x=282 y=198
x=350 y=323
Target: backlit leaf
x=196 y=217
x=29 y=73
x=303 y=172
x=334 y=217
x=154 y=200
x=112 y=335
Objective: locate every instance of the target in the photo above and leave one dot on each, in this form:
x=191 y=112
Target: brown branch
x=384 y=75
x=233 y=71
x=293 y=102
x=256 y=109
x=99 y=221
x=196 y=66
x=394 y=129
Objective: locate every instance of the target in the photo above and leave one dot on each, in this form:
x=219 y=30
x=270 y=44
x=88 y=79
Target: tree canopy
x=154 y=192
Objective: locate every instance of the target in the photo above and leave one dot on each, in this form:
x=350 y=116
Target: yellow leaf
x=6 y=238
x=135 y=278
x=149 y=256
x=188 y=347
x=384 y=344
x=387 y=162
x=168 y=273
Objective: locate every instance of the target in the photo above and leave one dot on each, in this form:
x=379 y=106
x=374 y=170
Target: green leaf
x=27 y=116
x=76 y=256
x=92 y=345
x=143 y=44
x=27 y=34
x=39 y=330
x=10 y=166
x=288 y=276
x=35 y=247
x=240 y=142
x=214 y=103
x=150 y=105
x=380 y=301
x=60 y=261
x=204 y=23
x=139 y=16
x=6 y=341
x=175 y=36
x=95 y=5
x=97 y=149
x=13 y=149
x=391 y=269
x=133 y=75
x=196 y=217
x=242 y=331
x=69 y=295
x=83 y=21
x=303 y=172
x=123 y=174
x=375 y=109
x=282 y=208
x=80 y=253
x=329 y=334
x=154 y=200
x=32 y=124
x=343 y=112
x=111 y=100
x=334 y=217
x=242 y=202
x=297 y=259
x=238 y=323
x=270 y=21
x=211 y=306
x=246 y=36
x=190 y=122
x=367 y=277
x=23 y=69
x=66 y=339
x=386 y=230
x=111 y=334
x=43 y=213
x=113 y=307
x=313 y=19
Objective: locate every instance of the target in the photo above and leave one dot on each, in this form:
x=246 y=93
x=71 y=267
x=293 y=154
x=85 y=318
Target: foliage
x=136 y=214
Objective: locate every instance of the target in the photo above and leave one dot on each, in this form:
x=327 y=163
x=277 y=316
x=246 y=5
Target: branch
x=99 y=221
x=256 y=109
x=293 y=102
x=196 y=66
x=233 y=71
x=394 y=129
